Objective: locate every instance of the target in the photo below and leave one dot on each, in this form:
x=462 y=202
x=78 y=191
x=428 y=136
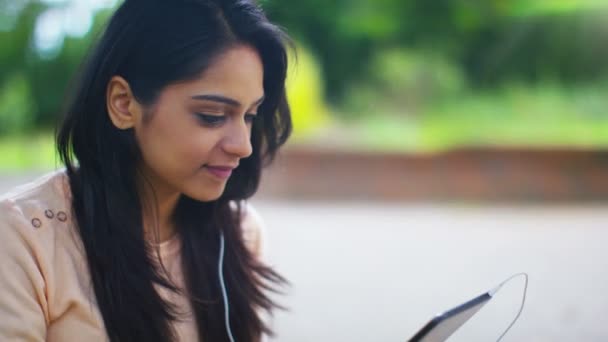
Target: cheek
x=177 y=151
x=195 y=150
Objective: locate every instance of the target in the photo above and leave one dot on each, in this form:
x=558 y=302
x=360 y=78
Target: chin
x=206 y=196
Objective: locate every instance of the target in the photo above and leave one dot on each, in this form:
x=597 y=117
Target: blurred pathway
x=372 y=272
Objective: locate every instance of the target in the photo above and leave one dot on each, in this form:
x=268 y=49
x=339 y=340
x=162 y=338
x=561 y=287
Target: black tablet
x=445 y=324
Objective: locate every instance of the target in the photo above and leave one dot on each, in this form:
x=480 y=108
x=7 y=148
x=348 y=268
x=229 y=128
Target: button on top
x=49 y=213
x=61 y=216
x=36 y=222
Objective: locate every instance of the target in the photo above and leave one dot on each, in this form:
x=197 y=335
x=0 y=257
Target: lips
x=222 y=172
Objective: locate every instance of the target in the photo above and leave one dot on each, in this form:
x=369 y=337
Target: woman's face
x=197 y=131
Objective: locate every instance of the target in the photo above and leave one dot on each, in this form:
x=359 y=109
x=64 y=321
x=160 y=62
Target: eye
x=250 y=117
x=210 y=120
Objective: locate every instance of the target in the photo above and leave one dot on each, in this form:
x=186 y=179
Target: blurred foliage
x=403 y=81
x=16 y=106
x=32 y=83
x=516 y=114
x=493 y=41
x=527 y=7
x=34 y=151
x=305 y=93
x=409 y=73
x=549 y=114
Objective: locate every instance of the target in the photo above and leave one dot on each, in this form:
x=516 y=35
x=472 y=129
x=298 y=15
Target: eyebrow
x=224 y=99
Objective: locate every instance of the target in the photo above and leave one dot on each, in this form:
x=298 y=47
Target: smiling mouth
x=221 y=172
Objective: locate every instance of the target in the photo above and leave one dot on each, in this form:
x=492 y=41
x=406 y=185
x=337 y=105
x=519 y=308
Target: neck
x=158 y=205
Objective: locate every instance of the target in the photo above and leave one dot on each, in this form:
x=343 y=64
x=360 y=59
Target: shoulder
x=253 y=228
x=49 y=191
x=29 y=213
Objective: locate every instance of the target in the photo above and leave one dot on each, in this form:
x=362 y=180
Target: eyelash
x=216 y=120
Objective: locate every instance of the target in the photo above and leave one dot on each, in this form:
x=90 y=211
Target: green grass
x=515 y=116
x=27 y=152
x=519 y=116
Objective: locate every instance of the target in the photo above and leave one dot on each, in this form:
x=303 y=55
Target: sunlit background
x=439 y=147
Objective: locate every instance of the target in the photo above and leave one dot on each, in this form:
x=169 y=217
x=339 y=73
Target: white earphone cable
x=223 y=285
x=523 y=300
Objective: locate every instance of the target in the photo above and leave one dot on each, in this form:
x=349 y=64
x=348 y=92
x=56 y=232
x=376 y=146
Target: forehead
x=237 y=73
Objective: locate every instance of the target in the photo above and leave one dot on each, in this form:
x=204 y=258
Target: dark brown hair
x=152 y=44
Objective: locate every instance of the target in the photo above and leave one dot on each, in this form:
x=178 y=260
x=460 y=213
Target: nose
x=237 y=141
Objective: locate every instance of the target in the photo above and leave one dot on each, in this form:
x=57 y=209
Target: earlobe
x=123 y=108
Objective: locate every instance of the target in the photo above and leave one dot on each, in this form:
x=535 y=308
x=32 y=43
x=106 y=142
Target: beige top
x=45 y=287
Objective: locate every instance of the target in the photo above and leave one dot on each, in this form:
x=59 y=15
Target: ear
x=124 y=110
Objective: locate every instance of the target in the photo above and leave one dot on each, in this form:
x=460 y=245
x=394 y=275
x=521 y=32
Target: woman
x=145 y=235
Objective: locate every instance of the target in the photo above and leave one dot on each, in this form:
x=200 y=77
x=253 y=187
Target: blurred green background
x=414 y=76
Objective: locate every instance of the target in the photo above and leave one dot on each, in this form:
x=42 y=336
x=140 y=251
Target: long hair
x=152 y=44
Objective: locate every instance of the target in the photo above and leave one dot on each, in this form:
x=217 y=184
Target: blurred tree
x=316 y=23
x=18 y=24
x=32 y=83
x=492 y=41
x=17 y=112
